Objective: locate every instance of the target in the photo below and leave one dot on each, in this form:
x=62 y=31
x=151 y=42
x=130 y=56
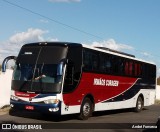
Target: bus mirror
x=60 y=69
x=4 y=63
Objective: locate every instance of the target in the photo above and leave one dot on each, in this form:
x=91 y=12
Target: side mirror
x=4 y=63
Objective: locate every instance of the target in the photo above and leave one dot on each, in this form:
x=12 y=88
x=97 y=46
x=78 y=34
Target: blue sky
x=132 y=26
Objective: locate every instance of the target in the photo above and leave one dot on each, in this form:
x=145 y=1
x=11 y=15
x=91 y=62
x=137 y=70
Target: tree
x=158 y=81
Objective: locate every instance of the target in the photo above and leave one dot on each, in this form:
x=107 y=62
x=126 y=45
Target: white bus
x=65 y=78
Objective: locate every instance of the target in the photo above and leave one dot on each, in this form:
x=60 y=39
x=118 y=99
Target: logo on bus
x=30 y=99
x=104 y=82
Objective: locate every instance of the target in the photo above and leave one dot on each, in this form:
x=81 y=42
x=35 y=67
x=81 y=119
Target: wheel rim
x=139 y=105
x=86 y=109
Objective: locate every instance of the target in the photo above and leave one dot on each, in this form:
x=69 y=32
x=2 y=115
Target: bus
x=71 y=78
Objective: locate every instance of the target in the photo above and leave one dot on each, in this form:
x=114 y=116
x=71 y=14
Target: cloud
x=146 y=54
x=65 y=1
x=112 y=44
x=14 y=43
x=31 y=35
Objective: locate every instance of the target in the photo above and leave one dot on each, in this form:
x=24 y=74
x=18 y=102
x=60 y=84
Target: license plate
x=28 y=107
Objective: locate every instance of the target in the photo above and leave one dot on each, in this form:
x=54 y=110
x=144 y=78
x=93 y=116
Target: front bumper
x=37 y=107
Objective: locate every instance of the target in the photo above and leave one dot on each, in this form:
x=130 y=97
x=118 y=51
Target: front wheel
x=86 y=109
x=139 y=105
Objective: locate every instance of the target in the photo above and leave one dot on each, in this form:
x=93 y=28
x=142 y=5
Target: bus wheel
x=86 y=109
x=139 y=105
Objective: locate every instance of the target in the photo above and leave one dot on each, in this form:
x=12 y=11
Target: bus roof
x=53 y=44
x=101 y=49
x=121 y=54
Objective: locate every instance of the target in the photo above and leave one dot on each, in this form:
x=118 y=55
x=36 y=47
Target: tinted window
x=90 y=60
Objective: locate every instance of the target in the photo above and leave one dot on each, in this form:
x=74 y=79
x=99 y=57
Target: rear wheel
x=139 y=105
x=86 y=109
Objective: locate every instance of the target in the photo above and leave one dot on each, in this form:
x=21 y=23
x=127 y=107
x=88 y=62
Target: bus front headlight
x=14 y=98
x=52 y=101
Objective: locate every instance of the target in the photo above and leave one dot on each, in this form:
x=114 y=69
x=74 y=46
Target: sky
x=131 y=26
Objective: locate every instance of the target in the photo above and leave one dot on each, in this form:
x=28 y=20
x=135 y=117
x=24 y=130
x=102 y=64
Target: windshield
x=43 y=72
x=36 y=69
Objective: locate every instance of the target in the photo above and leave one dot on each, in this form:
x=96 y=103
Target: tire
x=139 y=105
x=86 y=109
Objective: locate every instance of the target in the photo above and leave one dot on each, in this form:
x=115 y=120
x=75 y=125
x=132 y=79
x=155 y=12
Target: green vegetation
x=157 y=101
x=158 y=81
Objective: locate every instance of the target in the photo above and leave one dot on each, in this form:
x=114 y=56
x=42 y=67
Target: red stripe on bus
x=101 y=91
x=26 y=95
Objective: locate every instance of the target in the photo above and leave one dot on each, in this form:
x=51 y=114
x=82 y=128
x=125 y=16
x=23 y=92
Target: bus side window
x=144 y=71
x=69 y=74
x=130 y=68
x=137 y=69
x=126 y=68
x=95 y=62
x=87 y=60
x=153 y=71
x=108 y=65
x=105 y=64
x=101 y=66
x=90 y=61
x=121 y=66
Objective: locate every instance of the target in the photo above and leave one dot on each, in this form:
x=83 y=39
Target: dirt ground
x=4 y=110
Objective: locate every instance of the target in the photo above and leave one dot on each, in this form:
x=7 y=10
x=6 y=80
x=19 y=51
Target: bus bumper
x=54 y=109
